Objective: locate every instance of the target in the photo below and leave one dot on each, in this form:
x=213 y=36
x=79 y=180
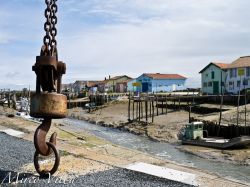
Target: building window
x=245 y=82
x=212 y=74
x=210 y=84
x=222 y=84
x=233 y=72
x=205 y=84
x=238 y=83
x=231 y=85
x=248 y=71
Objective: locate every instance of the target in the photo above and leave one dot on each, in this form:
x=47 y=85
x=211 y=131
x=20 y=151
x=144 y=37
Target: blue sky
x=97 y=38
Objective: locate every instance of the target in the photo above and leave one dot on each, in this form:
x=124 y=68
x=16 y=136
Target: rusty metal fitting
x=48 y=105
x=45 y=61
x=42 y=61
x=49 y=72
x=61 y=68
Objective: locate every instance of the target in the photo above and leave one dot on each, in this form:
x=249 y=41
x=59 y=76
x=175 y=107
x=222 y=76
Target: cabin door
x=145 y=87
x=216 y=87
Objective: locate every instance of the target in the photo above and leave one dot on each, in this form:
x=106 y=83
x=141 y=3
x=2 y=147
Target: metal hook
x=40 y=138
x=45 y=148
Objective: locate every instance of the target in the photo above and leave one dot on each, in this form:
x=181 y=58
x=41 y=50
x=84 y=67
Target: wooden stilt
x=133 y=109
x=166 y=105
x=139 y=109
x=157 y=108
x=153 y=111
x=129 y=107
x=146 y=109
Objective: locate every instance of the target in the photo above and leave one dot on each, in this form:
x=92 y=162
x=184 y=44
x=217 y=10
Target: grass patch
x=64 y=153
x=65 y=135
x=13 y=126
x=89 y=145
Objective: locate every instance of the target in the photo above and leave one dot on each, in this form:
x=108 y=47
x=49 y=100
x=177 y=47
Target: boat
x=193 y=132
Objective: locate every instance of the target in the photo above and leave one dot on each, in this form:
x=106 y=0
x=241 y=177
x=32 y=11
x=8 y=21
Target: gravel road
x=16 y=152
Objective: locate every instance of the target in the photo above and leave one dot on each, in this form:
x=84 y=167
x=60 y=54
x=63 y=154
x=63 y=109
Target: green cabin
x=194 y=131
x=213 y=78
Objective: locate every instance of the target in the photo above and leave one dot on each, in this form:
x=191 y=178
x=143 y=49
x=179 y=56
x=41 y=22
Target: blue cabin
x=157 y=82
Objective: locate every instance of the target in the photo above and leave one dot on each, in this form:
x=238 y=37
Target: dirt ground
x=83 y=153
x=165 y=128
x=230 y=116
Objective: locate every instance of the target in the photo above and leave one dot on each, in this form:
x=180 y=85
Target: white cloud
x=99 y=38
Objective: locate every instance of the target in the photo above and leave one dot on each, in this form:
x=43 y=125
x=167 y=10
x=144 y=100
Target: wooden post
x=142 y=109
x=221 y=103
x=189 y=114
x=146 y=109
x=245 y=104
x=153 y=110
x=162 y=106
x=150 y=107
x=139 y=109
x=129 y=107
x=166 y=105
x=9 y=98
x=157 y=105
x=69 y=101
x=133 y=109
x=179 y=103
x=238 y=104
x=193 y=99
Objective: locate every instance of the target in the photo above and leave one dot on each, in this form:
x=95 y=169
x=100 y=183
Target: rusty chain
x=49 y=40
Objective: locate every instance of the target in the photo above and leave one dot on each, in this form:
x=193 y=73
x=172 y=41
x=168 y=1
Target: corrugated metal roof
x=164 y=76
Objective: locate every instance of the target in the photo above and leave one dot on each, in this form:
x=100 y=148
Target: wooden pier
x=145 y=107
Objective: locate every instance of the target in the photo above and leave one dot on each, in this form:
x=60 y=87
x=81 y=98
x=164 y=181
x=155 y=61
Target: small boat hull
x=233 y=143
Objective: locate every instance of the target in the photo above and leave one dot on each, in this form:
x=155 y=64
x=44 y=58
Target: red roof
x=217 y=64
x=221 y=65
x=164 y=76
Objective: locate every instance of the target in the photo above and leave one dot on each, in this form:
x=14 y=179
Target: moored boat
x=193 y=135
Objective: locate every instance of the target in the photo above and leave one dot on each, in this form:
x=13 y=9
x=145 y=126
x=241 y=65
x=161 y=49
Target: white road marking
x=12 y=132
x=171 y=174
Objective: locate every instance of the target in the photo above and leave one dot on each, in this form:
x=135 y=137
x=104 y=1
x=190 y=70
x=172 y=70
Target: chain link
x=49 y=39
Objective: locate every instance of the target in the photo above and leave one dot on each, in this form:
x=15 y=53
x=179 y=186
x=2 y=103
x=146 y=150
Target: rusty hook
x=40 y=138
